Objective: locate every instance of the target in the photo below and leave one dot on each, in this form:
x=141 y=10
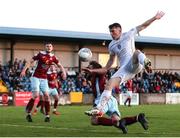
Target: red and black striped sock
x=105 y=121
x=39 y=103
x=47 y=107
x=30 y=105
x=130 y=120
x=42 y=106
x=55 y=104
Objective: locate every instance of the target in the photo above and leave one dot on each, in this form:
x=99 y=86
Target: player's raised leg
x=140 y=58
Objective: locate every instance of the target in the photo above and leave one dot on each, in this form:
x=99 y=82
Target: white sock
x=105 y=96
x=141 y=58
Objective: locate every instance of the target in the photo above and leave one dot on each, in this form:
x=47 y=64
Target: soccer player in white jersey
x=131 y=60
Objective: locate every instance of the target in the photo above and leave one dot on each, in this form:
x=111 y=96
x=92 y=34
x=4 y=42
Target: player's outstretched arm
x=158 y=16
x=101 y=70
x=97 y=71
x=64 y=76
x=28 y=64
x=110 y=61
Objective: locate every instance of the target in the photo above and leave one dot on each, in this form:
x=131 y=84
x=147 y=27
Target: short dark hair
x=114 y=25
x=47 y=42
x=95 y=64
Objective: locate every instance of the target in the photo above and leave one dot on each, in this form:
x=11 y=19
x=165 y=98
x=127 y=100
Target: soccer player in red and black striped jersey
x=39 y=80
x=129 y=86
x=54 y=87
x=54 y=90
x=98 y=81
x=111 y=108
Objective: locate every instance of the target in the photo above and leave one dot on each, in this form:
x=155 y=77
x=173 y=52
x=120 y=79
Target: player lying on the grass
x=131 y=61
x=111 y=108
x=54 y=90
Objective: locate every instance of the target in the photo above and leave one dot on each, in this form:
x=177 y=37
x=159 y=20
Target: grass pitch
x=164 y=121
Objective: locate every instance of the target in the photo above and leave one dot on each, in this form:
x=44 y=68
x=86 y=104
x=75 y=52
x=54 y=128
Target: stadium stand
x=155 y=82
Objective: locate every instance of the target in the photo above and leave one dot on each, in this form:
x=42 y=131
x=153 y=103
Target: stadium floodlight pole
x=12 y=52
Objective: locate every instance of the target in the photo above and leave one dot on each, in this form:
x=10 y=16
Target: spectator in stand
x=85 y=86
x=70 y=85
x=147 y=82
x=78 y=82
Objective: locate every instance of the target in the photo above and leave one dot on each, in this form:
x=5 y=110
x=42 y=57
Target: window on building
x=103 y=58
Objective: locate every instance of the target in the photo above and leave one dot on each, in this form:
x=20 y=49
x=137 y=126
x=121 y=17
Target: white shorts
x=51 y=92
x=129 y=94
x=128 y=71
x=38 y=85
x=111 y=107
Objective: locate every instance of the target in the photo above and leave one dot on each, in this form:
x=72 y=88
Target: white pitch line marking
x=49 y=127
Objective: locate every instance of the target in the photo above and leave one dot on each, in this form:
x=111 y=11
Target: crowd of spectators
x=10 y=74
x=154 y=82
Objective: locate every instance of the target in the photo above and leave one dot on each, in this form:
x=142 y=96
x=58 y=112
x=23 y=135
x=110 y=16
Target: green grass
x=164 y=120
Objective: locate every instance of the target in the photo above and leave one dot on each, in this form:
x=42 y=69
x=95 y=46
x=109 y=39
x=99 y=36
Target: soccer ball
x=85 y=54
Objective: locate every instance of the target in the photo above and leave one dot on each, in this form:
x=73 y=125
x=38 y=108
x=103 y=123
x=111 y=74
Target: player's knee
x=35 y=95
x=41 y=97
x=46 y=97
x=137 y=51
x=135 y=56
x=56 y=97
x=115 y=118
